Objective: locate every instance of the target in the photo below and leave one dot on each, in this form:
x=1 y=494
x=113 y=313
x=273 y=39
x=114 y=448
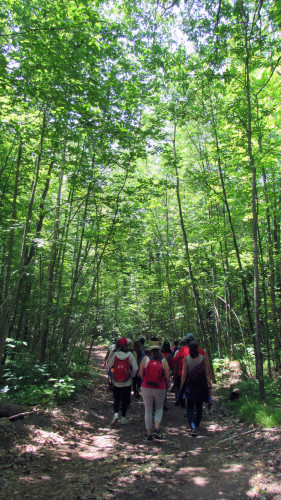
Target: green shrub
x=251 y=409
x=28 y=382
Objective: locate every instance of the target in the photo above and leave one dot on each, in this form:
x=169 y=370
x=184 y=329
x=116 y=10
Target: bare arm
x=142 y=366
x=166 y=371
x=207 y=371
x=106 y=357
x=134 y=364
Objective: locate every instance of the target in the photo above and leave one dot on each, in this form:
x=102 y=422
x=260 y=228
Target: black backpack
x=197 y=373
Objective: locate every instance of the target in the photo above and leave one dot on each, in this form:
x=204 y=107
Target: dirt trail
x=72 y=453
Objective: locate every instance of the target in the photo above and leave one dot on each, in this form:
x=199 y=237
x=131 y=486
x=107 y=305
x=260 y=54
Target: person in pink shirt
x=155 y=373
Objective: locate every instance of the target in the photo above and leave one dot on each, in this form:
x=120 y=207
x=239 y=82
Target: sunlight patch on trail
x=200 y=481
x=99 y=446
x=231 y=468
x=198 y=475
x=196 y=452
x=257 y=484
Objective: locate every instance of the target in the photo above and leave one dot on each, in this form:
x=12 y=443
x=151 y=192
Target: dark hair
x=142 y=340
x=123 y=348
x=154 y=338
x=155 y=353
x=137 y=347
x=176 y=342
x=166 y=347
x=193 y=349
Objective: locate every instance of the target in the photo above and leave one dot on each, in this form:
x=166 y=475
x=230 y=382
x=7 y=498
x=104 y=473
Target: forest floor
x=71 y=452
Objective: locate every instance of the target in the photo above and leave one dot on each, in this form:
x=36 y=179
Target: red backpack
x=154 y=372
x=121 y=369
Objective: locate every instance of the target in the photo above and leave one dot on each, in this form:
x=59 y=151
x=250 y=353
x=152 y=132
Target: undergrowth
x=249 y=407
x=30 y=383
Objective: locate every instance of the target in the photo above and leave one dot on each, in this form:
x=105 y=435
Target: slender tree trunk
x=3 y=319
x=77 y=270
x=215 y=302
x=76 y=329
x=216 y=311
x=276 y=239
x=266 y=326
x=274 y=313
x=27 y=283
x=15 y=291
x=243 y=281
x=187 y=255
x=228 y=304
x=259 y=364
x=5 y=162
x=42 y=344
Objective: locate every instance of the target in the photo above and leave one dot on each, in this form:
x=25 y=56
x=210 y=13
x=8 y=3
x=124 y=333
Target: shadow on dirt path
x=71 y=452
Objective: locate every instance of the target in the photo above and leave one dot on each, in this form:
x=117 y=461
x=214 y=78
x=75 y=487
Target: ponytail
x=193 y=349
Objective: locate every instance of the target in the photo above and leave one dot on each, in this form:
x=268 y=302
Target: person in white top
x=124 y=367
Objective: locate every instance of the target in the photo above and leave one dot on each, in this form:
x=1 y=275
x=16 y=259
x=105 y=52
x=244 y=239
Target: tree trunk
x=4 y=326
x=42 y=343
x=243 y=282
x=191 y=276
x=258 y=353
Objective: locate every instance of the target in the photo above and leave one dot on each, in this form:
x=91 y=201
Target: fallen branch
x=22 y=415
x=271 y=429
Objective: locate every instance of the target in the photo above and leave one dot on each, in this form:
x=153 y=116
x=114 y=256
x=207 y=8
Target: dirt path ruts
x=71 y=452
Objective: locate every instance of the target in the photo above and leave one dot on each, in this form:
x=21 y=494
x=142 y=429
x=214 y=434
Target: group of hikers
x=151 y=370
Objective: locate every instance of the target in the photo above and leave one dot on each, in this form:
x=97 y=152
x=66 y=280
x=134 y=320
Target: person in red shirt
x=190 y=337
x=178 y=363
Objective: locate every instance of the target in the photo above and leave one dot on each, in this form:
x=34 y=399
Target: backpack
x=121 y=369
x=154 y=372
x=197 y=373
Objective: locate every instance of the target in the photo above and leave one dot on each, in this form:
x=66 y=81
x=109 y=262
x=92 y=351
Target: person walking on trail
x=176 y=347
x=178 y=363
x=155 y=373
x=196 y=384
x=139 y=354
x=109 y=353
x=124 y=367
x=188 y=338
x=167 y=354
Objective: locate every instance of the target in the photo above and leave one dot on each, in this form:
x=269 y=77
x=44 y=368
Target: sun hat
x=122 y=341
x=154 y=344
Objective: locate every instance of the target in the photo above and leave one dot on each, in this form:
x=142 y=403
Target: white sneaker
x=124 y=420
x=115 y=420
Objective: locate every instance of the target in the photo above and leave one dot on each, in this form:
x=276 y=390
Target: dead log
x=8 y=409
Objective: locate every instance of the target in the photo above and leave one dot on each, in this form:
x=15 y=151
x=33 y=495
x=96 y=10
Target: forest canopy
x=140 y=176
